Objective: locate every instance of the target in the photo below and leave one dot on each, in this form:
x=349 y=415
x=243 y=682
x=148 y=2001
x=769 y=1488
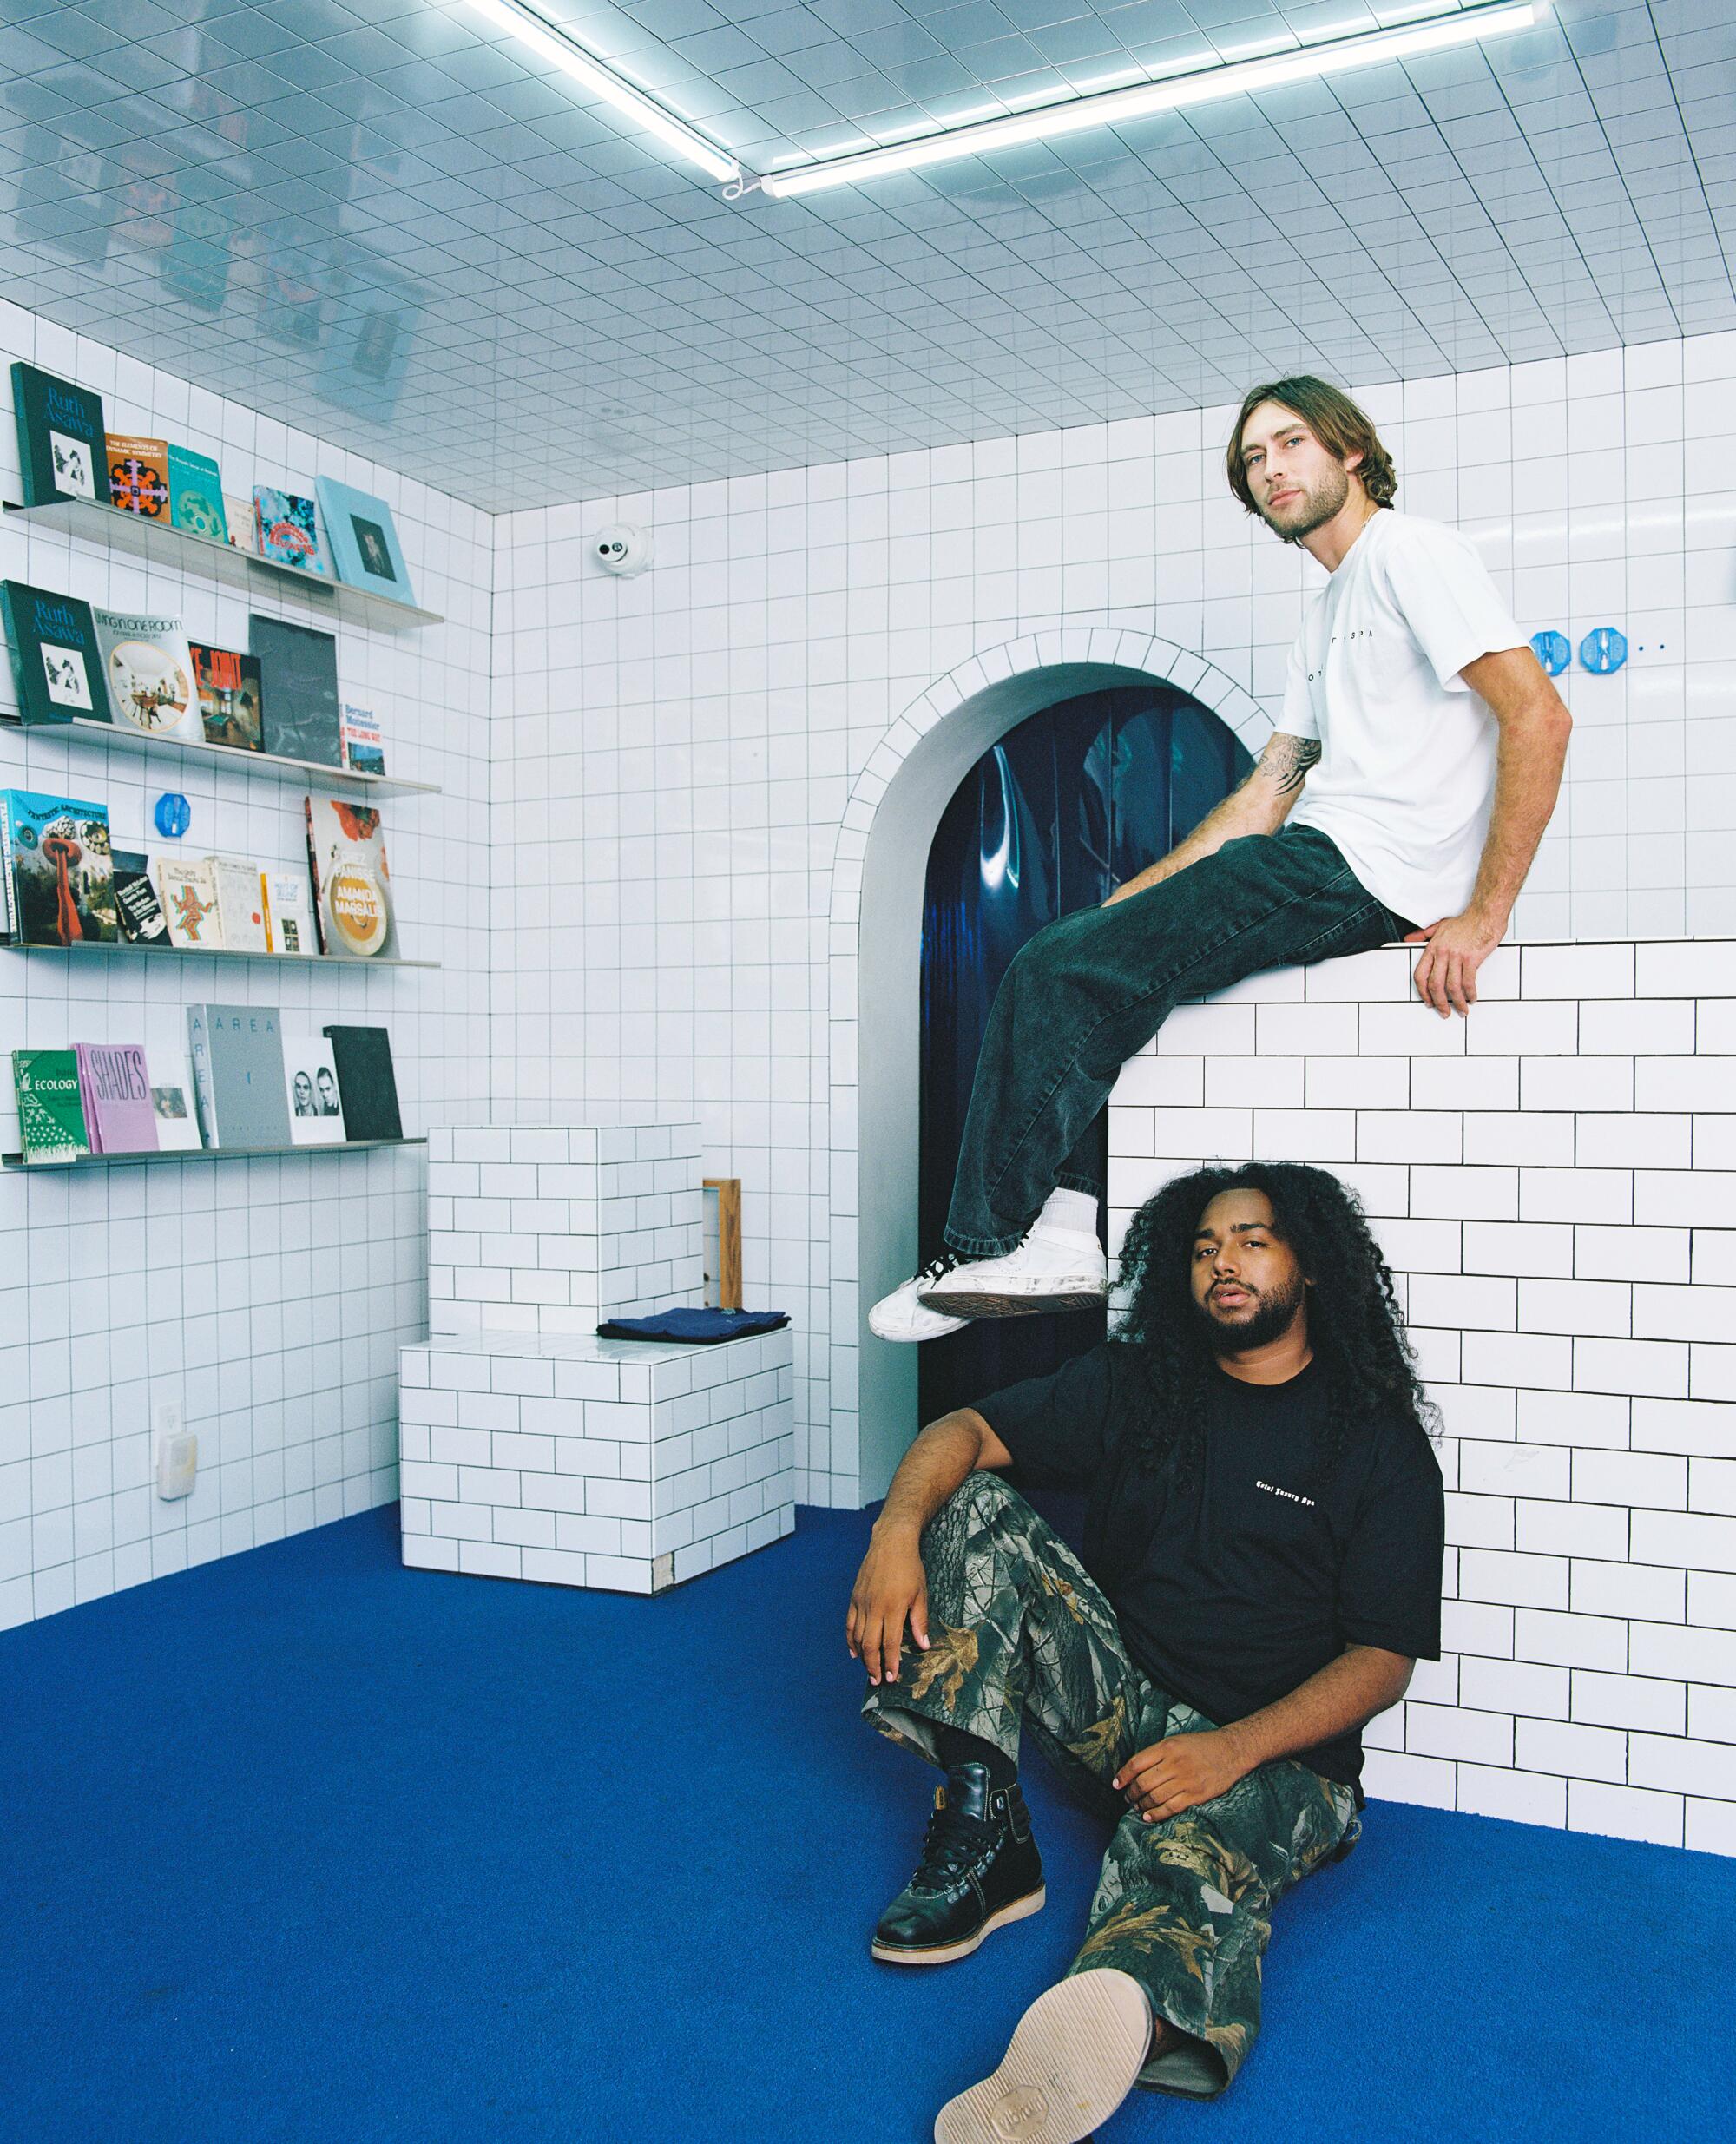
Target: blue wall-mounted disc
x=1553 y=651
x=174 y=815
x=1603 y=649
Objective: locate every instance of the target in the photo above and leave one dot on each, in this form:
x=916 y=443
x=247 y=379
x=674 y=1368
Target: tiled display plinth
x=583 y=1462
x=552 y=1228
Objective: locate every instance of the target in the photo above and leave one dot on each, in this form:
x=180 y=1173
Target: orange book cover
x=138 y=475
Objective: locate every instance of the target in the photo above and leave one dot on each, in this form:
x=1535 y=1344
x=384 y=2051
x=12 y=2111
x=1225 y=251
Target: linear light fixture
x=1239 y=77
x=549 y=42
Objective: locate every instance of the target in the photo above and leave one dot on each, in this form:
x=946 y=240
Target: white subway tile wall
x=268 y=1299
x=1580 y=1344
x=688 y=761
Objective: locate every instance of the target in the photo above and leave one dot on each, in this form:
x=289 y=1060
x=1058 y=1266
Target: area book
x=195 y=495
x=62 y=447
x=148 y=668
x=56 y=664
x=351 y=884
x=231 y=697
x=50 y=1107
x=316 y=1113
x=288 y=528
x=186 y=886
x=238 y=1074
x=366 y=1084
x=138 y=475
x=58 y=869
x=137 y=908
x=298 y=677
x=118 y=1114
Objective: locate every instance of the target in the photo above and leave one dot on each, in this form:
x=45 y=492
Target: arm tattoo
x=1286 y=760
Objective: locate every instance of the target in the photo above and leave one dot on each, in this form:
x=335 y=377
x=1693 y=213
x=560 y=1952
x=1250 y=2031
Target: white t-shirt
x=1406 y=773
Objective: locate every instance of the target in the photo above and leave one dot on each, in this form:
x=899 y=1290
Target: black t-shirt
x=1232 y=1592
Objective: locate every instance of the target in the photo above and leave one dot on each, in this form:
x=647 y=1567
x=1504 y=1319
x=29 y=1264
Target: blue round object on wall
x=1603 y=649
x=174 y=815
x=1553 y=651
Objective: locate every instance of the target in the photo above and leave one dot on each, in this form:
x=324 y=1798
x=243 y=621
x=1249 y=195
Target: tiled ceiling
x=391 y=224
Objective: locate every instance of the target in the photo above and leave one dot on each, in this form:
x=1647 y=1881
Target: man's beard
x=1323 y=504
x=1270 y=1318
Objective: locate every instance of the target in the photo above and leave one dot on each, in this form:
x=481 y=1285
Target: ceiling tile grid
x=398 y=228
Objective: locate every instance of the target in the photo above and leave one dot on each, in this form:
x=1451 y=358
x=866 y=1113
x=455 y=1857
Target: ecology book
x=50 y=1107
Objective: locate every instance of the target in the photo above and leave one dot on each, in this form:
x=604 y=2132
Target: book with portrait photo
x=56 y=663
x=63 y=447
x=316 y=1108
x=363 y=541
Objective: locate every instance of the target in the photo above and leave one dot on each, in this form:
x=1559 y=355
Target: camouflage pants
x=1020 y=1637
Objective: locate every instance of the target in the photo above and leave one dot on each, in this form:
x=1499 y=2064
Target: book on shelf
x=63 y=447
x=366 y=1084
x=363 y=539
x=50 y=1107
x=238 y=1074
x=186 y=886
x=137 y=908
x=58 y=870
x=363 y=752
x=195 y=493
x=315 y=1111
x=231 y=697
x=289 y=915
x=287 y=528
x=351 y=884
x=240 y=904
x=299 y=676
x=138 y=475
x=238 y=515
x=56 y=663
x=172 y=1104
x=148 y=668
x=118 y=1114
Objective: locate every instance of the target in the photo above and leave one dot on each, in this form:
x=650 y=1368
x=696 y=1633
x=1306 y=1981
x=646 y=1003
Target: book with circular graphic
x=195 y=493
x=288 y=527
x=148 y=668
x=351 y=884
x=138 y=475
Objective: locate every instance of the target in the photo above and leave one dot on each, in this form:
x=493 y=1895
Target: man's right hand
x=891 y=1589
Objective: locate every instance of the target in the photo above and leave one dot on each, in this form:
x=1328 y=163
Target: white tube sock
x=1075 y=1210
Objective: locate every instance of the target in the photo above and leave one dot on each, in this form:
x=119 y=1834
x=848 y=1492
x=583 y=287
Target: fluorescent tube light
x=1435 y=33
x=553 y=43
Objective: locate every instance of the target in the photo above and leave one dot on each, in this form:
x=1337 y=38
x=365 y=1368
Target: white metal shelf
x=269 y=764
x=202 y=1154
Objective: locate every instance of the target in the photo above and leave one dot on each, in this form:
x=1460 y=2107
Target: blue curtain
x=1076 y=799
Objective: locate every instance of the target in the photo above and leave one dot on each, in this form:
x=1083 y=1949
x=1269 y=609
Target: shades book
x=116 y=1089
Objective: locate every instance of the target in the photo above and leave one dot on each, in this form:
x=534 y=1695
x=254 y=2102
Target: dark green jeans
x=1086 y=992
x=1021 y=1637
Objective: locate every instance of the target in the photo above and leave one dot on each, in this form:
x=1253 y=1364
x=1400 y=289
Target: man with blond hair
x=1403 y=795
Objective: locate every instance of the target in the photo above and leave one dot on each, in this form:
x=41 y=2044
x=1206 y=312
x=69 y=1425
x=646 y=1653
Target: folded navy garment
x=702 y=1326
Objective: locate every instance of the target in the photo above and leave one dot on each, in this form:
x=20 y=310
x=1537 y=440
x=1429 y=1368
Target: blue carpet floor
x=305 y=1845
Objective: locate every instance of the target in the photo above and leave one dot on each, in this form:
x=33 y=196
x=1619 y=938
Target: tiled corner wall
x=678 y=750
x=1554 y=1183
x=270 y=1297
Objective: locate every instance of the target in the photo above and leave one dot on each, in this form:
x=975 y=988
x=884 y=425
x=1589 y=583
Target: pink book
x=119 y=1115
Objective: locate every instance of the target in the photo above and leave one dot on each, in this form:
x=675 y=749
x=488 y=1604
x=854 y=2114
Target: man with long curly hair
x=1414 y=767
x=1261 y=1568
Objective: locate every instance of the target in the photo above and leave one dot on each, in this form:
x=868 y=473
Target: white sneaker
x=901 y=1316
x=1073 y=2060
x=1052 y=1269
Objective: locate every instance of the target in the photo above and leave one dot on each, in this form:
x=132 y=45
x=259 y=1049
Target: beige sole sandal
x=1073 y=2059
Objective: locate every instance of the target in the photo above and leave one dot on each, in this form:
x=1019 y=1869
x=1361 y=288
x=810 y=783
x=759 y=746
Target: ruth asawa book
x=195 y=495
x=351 y=884
x=59 y=868
x=138 y=476
x=148 y=668
x=56 y=664
x=366 y=1083
x=63 y=447
x=118 y=1114
x=238 y=1074
x=50 y=1107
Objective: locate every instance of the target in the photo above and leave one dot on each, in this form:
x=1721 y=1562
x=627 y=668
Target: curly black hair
x=1354 y=1326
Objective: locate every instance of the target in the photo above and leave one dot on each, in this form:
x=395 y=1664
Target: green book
x=56 y=663
x=63 y=451
x=195 y=493
x=50 y=1107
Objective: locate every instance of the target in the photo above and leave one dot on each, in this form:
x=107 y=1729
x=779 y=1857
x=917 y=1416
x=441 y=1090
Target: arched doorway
x=1075 y=798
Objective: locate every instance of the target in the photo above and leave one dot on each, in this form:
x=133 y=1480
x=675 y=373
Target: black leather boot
x=980 y=1867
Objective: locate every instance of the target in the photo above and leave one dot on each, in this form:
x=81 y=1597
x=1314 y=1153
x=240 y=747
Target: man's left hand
x=1180 y=1772
x=1454 y=949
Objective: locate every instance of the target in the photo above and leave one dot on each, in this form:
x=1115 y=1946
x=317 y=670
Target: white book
x=186 y=893
x=240 y=904
x=289 y=915
x=310 y=1074
x=171 y=1098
